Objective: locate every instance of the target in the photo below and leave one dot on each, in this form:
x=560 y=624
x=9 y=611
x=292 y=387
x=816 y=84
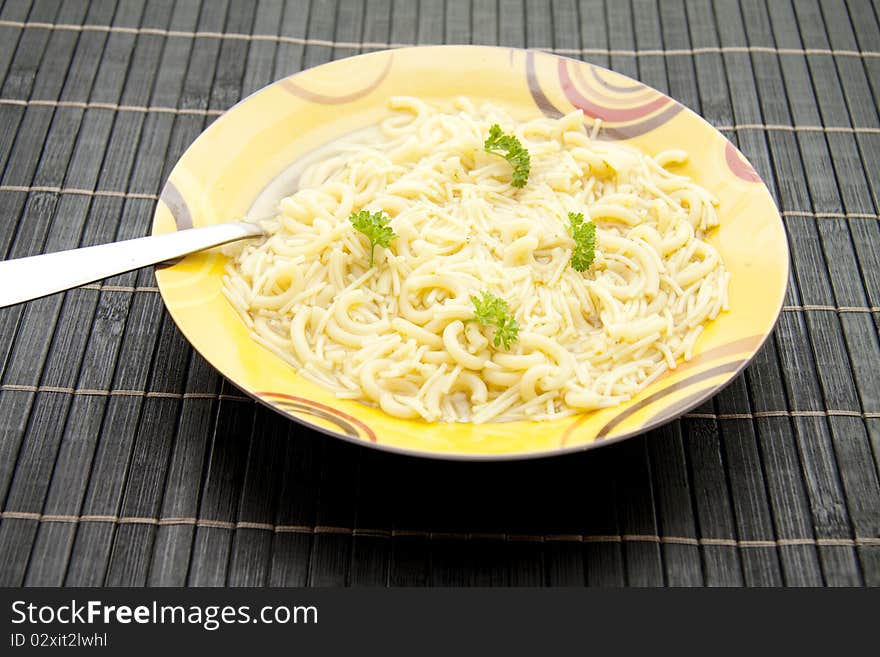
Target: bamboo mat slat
x=127 y=460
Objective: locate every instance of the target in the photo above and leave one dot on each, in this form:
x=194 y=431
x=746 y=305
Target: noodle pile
x=401 y=335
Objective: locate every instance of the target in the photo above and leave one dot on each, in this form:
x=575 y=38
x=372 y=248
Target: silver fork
x=29 y=278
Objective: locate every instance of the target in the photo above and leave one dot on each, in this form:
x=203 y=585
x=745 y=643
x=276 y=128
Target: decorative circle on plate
x=298 y=406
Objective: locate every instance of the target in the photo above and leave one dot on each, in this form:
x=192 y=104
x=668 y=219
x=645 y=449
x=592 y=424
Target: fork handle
x=29 y=278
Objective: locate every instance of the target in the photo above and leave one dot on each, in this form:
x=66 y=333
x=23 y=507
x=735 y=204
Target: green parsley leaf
x=490 y=310
x=510 y=148
x=584 y=235
x=375 y=227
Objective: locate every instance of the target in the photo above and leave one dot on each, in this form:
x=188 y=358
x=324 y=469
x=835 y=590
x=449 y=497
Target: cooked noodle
x=400 y=334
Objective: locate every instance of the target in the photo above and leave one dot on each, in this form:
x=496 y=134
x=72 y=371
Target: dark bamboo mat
x=126 y=460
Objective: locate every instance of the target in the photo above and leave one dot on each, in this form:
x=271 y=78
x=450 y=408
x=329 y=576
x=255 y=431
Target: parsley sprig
x=490 y=310
x=510 y=148
x=584 y=235
x=375 y=226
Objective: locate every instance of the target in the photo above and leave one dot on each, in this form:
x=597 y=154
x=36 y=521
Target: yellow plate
x=230 y=164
